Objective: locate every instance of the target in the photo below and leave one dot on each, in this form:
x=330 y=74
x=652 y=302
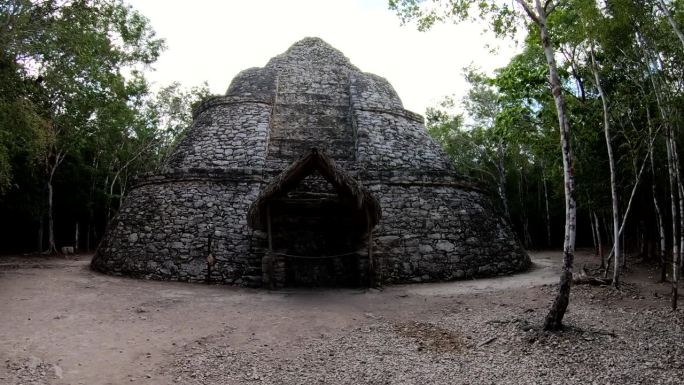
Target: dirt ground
x=61 y=323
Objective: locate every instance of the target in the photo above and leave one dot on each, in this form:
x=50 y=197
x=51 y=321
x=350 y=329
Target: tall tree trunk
x=671 y=20
x=593 y=232
x=548 y=214
x=611 y=163
x=607 y=229
x=52 y=161
x=673 y=205
x=680 y=192
x=525 y=222
x=501 y=182
x=554 y=319
x=656 y=206
x=672 y=172
x=600 y=243
x=76 y=239
x=52 y=247
x=637 y=179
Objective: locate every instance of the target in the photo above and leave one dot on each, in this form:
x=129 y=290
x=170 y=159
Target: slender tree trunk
x=548 y=215
x=672 y=175
x=600 y=243
x=501 y=175
x=611 y=163
x=671 y=20
x=680 y=192
x=52 y=247
x=637 y=179
x=110 y=195
x=525 y=222
x=554 y=319
x=593 y=232
x=76 y=239
x=661 y=238
x=623 y=262
x=656 y=205
x=675 y=244
x=53 y=160
x=122 y=190
x=607 y=229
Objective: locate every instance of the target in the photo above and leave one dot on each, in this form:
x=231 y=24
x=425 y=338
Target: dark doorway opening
x=319 y=223
x=320 y=241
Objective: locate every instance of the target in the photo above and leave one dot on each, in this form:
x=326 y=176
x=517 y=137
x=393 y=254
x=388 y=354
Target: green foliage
x=511 y=116
x=76 y=111
x=171 y=111
x=499 y=16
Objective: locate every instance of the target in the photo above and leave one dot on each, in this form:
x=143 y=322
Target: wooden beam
x=268 y=227
x=371 y=264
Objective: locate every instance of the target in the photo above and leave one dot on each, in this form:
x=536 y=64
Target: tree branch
x=528 y=10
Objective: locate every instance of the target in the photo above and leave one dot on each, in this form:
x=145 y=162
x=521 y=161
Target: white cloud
x=214 y=40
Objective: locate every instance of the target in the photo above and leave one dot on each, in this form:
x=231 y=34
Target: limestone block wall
x=369 y=91
x=226 y=132
x=313 y=58
x=311 y=104
x=437 y=232
x=394 y=140
x=434 y=225
x=255 y=82
x=162 y=230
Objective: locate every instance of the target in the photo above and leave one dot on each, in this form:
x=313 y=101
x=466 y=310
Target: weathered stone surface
x=435 y=225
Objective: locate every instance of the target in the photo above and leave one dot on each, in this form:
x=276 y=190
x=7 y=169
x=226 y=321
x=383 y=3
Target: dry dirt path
x=61 y=323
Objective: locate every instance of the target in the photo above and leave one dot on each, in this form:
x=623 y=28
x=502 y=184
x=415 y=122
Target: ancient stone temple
x=308 y=172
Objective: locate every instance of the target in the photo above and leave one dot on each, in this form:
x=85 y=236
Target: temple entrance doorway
x=318 y=222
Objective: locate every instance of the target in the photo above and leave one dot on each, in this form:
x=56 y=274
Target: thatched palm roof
x=345 y=186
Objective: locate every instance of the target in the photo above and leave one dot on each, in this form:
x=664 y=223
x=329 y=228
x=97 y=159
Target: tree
x=501 y=19
x=170 y=110
x=70 y=56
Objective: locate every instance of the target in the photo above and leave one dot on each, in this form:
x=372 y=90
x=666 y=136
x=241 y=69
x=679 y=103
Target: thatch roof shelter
x=349 y=190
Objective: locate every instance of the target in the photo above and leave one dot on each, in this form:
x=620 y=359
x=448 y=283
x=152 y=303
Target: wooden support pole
x=268 y=227
x=371 y=264
x=270 y=262
x=76 y=240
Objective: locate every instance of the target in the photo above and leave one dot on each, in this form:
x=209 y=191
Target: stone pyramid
x=343 y=185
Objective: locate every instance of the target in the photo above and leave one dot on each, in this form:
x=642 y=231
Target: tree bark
x=501 y=179
x=672 y=167
x=637 y=179
x=656 y=206
x=554 y=319
x=611 y=164
x=673 y=206
x=548 y=215
x=525 y=222
x=671 y=172
x=671 y=20
x=76 y=239
x=53 y=159
x=680 y=192
x=52 y=247
x=600 y=242
x=593 y=233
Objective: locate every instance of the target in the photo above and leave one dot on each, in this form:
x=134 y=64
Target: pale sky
x=213 y=40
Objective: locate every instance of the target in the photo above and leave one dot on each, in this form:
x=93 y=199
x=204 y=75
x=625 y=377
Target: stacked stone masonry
x=435 y=225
